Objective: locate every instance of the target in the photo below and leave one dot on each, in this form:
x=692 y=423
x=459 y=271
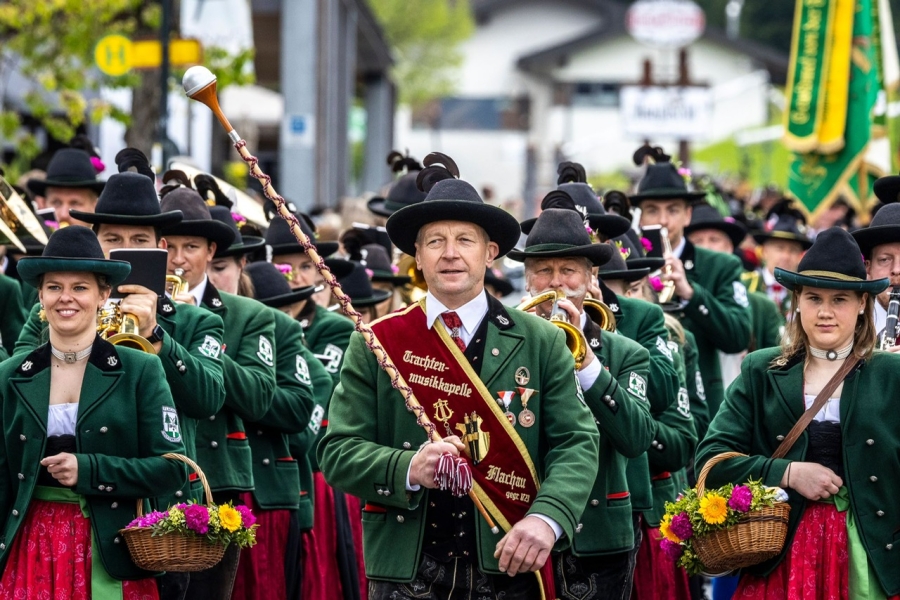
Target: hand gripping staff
x=452 y=472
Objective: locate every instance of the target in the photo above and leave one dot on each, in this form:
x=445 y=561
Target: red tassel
x=452 y=473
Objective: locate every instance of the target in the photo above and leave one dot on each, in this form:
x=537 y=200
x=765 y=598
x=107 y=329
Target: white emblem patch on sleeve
x=211 y=347
x=302 y=373
x=698 y=378
x=579 y=392
x=663 y=348
x=637 y=386
x=684 y=403
x=740 y=294
x=315 y=420
x=265 y=352
x=331 y=358
x=171 y=431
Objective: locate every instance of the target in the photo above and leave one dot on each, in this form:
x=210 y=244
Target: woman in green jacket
x=842 y=473
x=85 y=425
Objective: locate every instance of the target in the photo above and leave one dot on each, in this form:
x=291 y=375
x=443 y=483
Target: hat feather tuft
x=132 y=159
x=570 y=172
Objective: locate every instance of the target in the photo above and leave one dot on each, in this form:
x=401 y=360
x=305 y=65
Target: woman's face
x=225 y=273
x=71 y=301
x=829 y=317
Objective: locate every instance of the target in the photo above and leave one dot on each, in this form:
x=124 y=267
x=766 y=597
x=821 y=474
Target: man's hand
x=421 y=469
x=525 y=547
x=63 y=467
x=184 y=298
x=575 y=319
x=682 y=285
x=140 y=302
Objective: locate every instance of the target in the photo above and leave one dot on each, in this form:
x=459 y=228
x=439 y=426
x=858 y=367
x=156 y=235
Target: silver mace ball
x=196 y=79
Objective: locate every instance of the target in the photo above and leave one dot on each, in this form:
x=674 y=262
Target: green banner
x=817 y=179
x=810 y=54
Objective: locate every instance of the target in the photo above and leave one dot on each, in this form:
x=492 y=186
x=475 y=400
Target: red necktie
x=452 y=320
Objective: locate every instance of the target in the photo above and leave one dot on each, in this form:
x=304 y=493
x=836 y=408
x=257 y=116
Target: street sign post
x=665 y=23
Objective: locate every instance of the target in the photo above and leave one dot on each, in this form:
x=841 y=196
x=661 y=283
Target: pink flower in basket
x=671 y=549
x=196 y=517
x=247 y=518
x=149 y=520
x=681 y=526
x=741 y=498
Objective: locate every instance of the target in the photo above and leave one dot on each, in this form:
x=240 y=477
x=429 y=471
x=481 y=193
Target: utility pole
x=163 y=127
x=684 y=80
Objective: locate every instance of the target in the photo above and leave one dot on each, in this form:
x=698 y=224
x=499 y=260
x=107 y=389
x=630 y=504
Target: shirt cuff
x=556 y=527
x=411 y=488
x=588 y=375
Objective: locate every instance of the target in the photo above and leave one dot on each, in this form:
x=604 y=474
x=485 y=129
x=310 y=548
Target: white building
x=540 y=83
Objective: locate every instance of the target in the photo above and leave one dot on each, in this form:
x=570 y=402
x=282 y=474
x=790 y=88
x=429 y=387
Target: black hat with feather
x=403 y=191
x=661 y=181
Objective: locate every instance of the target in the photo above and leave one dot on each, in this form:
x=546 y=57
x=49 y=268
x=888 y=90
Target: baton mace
x=451 y=472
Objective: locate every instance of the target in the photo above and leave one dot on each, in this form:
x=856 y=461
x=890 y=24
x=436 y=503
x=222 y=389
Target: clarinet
x=889 y=335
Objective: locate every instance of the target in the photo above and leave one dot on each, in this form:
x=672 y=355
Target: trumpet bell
x=601 y=314
x=18 y=222
x=575 y=340
x=132 y=340
x=121 y=329
x=416 y=289
x=179 y=285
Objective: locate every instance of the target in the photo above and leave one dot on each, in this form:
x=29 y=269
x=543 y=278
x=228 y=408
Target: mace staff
x=451 y=472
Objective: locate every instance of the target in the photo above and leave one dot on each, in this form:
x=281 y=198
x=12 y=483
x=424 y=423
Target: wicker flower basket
x=758 y=536
x=173 y=551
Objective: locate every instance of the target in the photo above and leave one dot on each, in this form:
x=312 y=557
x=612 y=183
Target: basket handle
x=701 y=478
x=197 y=470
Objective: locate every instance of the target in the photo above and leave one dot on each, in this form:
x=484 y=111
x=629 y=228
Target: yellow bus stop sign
x=113 y=55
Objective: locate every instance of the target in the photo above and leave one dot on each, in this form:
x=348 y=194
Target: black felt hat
x=242 y=244
x=705 y=216
x=72 y=249
x=197 y=220
x=581 y=198
x=617 y=267
x=833 y=262
x=375 y=259
x=494 y=278
x=661 y=181
x=637 y=258
x=403 y=191
x=450 y=199
x=129 y=199
x=280 y=239
x=70 y=168
x=357 y=285
x=883 y=229
x=272 y=289
x=784 y=227
x=560 y=233
x=887 y=189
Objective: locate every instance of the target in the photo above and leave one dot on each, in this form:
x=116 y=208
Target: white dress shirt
x=880 y=317
x=198 y=291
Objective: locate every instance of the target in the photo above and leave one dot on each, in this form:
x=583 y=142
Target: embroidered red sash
x=443 y=381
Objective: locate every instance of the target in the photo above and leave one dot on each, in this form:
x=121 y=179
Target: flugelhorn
x=575 y=339
x=178 y=282
x=668 y=291
x=601 y=314
x=121 y=329
x=17 y=222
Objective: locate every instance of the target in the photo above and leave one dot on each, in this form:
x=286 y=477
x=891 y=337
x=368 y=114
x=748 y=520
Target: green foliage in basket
x=223 y=524
x=691 y=516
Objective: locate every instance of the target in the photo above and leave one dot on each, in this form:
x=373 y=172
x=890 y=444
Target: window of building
x=595 y=94
x=479 y=114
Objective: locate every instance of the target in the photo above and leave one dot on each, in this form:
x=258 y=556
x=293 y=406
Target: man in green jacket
x=536 y=468
x=559 y=255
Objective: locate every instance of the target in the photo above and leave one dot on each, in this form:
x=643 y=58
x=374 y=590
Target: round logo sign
x=665 y=23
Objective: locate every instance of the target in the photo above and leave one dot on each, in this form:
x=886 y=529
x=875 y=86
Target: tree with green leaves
x=424 y=36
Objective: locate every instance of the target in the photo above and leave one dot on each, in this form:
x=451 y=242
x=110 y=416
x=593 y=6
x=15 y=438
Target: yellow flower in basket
x=665 y=528
x=229 y=518
x=713 y=508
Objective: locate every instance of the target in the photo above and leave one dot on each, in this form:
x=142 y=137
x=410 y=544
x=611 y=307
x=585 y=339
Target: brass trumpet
x=415 y=290
x=668 y=291
x=121 y=329
x=575 y=339
x=179 y=283
x=601 y=314
x=16 y=220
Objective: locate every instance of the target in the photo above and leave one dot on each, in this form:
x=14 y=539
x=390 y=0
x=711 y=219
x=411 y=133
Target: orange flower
x=713 y=509
x=665 y=528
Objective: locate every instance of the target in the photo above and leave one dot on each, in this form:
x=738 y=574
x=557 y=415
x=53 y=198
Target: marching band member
x=13 y=310
x=559 y=255
x=71 y=184
x=384 y=277
x=248 y=359
x=782 y=242
x=363 y=294
x=459 y=339
x=880 y=246
x=85 y=426
x=841 y=469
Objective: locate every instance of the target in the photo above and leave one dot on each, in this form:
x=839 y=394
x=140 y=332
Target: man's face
x=62 y=200
x=303 y=269
x=453 y=257
x=114 y=237
x=784 y=254
x=571 y=275
x=192 y=254
x=884 y=261
x=711 y=239
x=674 y=215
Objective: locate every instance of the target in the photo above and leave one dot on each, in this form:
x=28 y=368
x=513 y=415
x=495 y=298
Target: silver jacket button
x=400 y=518
x=102 y=488
x=103 y=429
x=21 y=476
x=179 y=494
x=780 y=438
x=407 y=445
x=266 y=461
x=387 y=493
x=114 y=505
x=22 y=437
x=873 y=479
x=15 y=513
x=214 y=444
x=595 y=502
x=880 y=513
x=870 y=442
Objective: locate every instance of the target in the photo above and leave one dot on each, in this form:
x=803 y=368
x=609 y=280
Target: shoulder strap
x=804 y=420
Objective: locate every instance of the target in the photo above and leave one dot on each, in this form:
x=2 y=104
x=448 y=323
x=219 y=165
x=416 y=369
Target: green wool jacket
x=763 y=404
x=276 y=473
x=693 y=379
x=371 y=440
x=618 y=401
x=126 y=422
x=248 y=358
x=768 y=322
x=718 y=314
x=13 y=311
x=191 y=359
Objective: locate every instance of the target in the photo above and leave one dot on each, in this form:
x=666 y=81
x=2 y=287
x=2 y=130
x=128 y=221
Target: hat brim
x=297 y=295
x=790 y=280
x=629 y=275
x=735 y=232
x=887 y=189
x=165 y=219
x=763 y=236
x=385 y=277
x=339 y=267
x=377 y=297
x=323 y=248
x=30 y=268
x=645 y=262
x=666 y=194
x=598 y=254
x=404 y=225
x=376 y=206
x=39 y=186
x=249 y=244
x=871 y=237
x=504 y=287
x=212 y=230
x=609 y=225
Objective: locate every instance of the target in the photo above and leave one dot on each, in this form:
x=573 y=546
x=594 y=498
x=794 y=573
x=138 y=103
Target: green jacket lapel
x=101 y=376
x=31 y=381
x=502 y=337
x=788 y=386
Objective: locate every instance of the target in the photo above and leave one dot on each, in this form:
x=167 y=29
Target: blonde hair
x=795 y=341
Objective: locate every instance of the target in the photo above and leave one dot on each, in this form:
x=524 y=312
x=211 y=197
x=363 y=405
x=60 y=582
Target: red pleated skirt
x=260 y=573
x=51 y=557
x=816 y=566
x=656 y=576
